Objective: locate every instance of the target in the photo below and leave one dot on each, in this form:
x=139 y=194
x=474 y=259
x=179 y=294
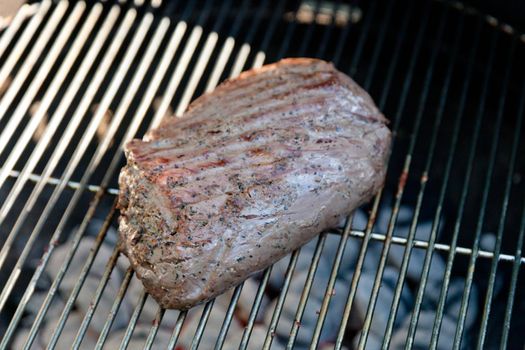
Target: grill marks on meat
x=251 y=172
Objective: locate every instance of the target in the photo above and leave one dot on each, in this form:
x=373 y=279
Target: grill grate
x=79 y=79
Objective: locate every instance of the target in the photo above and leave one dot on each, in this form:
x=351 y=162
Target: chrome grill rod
x=481 y=218
x=138 y=40
x=21 y=76
x=423 y=181
x=24 y=139
x=34 y=195
x=84 y=104
x=503 y=215
x=519 y=244
x=472 y=151
x=437 y=217
x=14 y=25
x=56 y=120
x=36 y=82
x=373 y=215
x=23 y=42
x=125 y=102
x=402 y=180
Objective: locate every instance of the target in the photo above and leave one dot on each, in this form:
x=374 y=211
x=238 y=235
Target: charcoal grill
x=78 y=79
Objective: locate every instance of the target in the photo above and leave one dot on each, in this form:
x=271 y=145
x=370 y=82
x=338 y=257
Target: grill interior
x=79 y=79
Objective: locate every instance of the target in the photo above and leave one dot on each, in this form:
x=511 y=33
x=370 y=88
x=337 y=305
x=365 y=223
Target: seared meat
x=253 y=170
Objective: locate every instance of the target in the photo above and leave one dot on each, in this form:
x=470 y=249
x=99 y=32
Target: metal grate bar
x=425 y=245
x=307 y=37
x=226 y=50
x=22 y=14
x=176 y=330
x=55 y=181
x=503 y=215
x=472 y=151
x=202 y=61
x=23 y=42
x=228 y=317
x=375 y=55
x=244 y=51
x=280 y=301
x=27 y=294
x=54 y=122
x=260 y=57
x=362 y=39
x=368 y=232
x=202 y=324
x=182 y=65
x=321 y=50
x=222 y=59
x=80 y=281
x=121 y=111
x=285 y=43
x=339 y=49
x=423 y=181
x=306 y=291
x=154 y=329
x=43 y=71
x=31 y=60
x=96 y=298
x=433 y=235
x=133 y=321
x=255 y=309
x=18 y=115
x=517 y=259
x=36 y=192
x=514 y=277
x=114 y=308
x=328 y=32
x=488 y=181
x=399 y=195
x=331 y=283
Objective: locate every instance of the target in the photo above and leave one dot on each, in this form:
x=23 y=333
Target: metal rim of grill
x=151 y=53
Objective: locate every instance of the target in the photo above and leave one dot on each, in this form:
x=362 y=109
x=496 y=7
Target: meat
x=252 y=171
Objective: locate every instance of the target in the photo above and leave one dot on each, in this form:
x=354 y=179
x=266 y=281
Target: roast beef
x=252 y=171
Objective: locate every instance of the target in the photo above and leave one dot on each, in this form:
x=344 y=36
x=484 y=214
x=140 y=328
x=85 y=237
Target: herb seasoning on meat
x=252 y=171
